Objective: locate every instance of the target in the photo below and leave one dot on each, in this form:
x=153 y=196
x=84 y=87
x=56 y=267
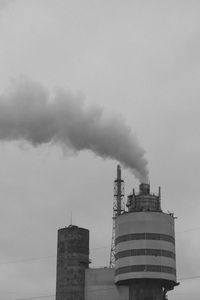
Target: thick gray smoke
x=29 y=113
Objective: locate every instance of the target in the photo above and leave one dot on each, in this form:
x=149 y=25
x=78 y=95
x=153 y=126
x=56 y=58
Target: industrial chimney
x=145 y=247
x=72 y=260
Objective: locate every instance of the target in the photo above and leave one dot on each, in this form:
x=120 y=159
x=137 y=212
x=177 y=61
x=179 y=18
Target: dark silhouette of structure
x=142 y=260
x=72 y=260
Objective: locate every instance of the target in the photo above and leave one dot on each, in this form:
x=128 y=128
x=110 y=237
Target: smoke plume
x=29 y=113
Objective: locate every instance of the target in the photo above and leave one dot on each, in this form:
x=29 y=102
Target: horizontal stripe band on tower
x=153 y=252
x=145 y=268
x=144 y=236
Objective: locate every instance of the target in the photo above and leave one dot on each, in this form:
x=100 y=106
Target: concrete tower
x=145 y=247
x=72 y=260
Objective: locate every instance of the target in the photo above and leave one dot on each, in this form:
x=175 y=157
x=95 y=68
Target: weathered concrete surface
x=145 y=289
x=72 y=260
x=99 y=285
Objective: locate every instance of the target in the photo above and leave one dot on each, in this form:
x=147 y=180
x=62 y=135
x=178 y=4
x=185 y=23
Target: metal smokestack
x=118 y=208
x=118 y=190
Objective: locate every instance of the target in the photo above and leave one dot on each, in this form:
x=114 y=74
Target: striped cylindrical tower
x=72 y=260
x=145 y=247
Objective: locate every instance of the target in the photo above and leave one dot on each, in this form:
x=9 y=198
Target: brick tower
x=72 y=260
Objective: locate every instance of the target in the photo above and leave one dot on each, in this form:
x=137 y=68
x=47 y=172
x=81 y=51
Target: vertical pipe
x=159 y=198
x=119 y=189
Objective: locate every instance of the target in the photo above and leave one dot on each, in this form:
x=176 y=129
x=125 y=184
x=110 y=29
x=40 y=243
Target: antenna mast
x=118 y=208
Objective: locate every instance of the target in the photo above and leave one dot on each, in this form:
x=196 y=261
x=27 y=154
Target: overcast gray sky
x=139 y=59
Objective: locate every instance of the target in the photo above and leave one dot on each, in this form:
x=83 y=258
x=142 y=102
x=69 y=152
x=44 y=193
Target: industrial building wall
x=99 y=285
